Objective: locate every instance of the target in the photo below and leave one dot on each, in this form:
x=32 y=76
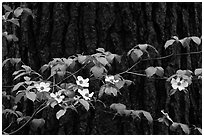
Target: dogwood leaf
x=85 y=104
x=147 y=115
x=150 y=71
x=136 y=54
x=118 y=107
x=196 y=40
x=17 y=86
x=6 y=7
x=168 y=43
x=185 y=128
x=19 y=96
x=14 y=21
x=98 y=71
x=159 y=71
x=36 y=123
x=143 y=46
x=31 y=96
x=60 y=113
x=18 y=11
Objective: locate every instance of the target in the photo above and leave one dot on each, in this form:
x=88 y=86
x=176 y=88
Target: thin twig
x=8 y=126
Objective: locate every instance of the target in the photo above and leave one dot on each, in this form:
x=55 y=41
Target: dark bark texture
x=64 y=29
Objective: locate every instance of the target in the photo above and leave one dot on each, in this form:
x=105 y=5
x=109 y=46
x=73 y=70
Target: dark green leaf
x=98 y=71
x=81 y=59
x=118 y=107
x=102 y=60
x=7 y=15
x=15 y=60
x=20 y=75
x=5 y=61
x=172 y=91
x=185 y=128
x=17 y=86
x=143 y=46
x=19 y=96
x=60 y=113
x=102 y=50
x=196 y=40
x=109 y=90
x=84 y=103
x=136 y=54
x=159 y=71
x=31 y=96
x=198 y=71
x=185 y=42
x=150 y=71
x=168 y=43
x=14 y=21
x=174 y=126
x=147 y=115
x=7 y=8
x=36 y=123
x=18 y=11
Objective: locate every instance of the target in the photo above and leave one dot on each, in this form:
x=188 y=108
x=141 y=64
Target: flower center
x=179 y=83
x=87 y=95
x=81 y=82
x=58 y=96
x=42 y=88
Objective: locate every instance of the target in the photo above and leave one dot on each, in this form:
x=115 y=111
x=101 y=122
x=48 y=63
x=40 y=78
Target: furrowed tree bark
x=65 y=29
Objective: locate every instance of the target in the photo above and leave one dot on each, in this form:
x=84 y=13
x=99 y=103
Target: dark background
x=64 y=29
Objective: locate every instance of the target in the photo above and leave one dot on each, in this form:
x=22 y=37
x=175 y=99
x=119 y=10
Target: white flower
x=82 y=82
x=179 y=84
x=111 y=79
x=43 y=86
x=85 y=94
x=57 y=96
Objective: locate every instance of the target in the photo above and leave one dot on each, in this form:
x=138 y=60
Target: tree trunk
x=64 y=29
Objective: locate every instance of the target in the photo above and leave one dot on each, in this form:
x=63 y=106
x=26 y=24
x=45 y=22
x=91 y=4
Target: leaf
x=14 y=21
x=7 y=14
x=27 y=68
x=199 y=129
x=136 y=54
x=97 y=71
x=44 y=68
x=102 y=60
x=19 y=96
x=174 y=126
x=185 y=42
x=127 y=112
x=14 y=38
x=60 y=113
x=31 y=96
x=36 y=123
x=118 y=58
x=135 y=114
x=128 y=82
x=150 y=71
x=120 y=84
x=101 y=91
x=15 y=60
x=195 y=39
x=147 y=115
x=198 y=71
x=159 y=71
x=81 y=59
x=143 y=46
x=84 y=103
x=28 y=11
x=176 y=38
x=6 y=7
x=100 y=50
x=172 y=91
x=185 y=128
x=20 y=75
x=109 y=90
x=118 y=107
x=53 y=103
x=18 y=11
x=5 y=61
x=168 y=43
x=17 y=86
x=110 y=57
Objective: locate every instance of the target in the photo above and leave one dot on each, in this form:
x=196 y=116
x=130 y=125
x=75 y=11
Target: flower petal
x=181 y=88
x=174 y=85
x=47 y=84
x=173 y=80
x=178 y=79
x=90 y=95
x=53 y=95
x=46 y=89
x=79 y=78
x=184 y=83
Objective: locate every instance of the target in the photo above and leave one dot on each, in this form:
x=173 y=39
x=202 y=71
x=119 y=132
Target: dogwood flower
x=111 y=79
x=179 y=84
x=57 y=96
x=85 y=93
x=42 y=86
x=82 y=82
